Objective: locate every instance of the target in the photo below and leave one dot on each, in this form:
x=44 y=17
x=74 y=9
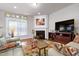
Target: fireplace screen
x=40 y=34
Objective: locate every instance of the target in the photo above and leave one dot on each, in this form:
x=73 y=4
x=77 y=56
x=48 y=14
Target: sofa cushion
x=69 y=51
x=12 y=39
x=53 y=52
x=65 y=49
x=73 y=44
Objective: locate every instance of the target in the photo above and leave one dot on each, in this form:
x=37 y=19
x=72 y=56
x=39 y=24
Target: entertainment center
x=64 y=32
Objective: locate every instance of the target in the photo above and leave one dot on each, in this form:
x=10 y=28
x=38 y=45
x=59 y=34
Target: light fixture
x=34 y=4
x=38 y=13
x=15 y=7
x=17 y=16
x=7 y=14
x=22 y=17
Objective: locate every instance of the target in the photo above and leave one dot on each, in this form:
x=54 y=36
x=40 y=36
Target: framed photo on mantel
x=40 y=21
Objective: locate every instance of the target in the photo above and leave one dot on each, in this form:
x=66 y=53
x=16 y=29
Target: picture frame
x=40 y=21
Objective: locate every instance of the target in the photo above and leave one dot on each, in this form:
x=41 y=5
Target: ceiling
x=30 y=9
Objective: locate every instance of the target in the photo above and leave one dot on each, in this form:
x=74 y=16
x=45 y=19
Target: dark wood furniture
x=51 y=36
x=61 y=37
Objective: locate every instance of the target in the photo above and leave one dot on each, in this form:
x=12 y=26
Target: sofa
x=54 y=52
x=6 y=44
x=58 y=51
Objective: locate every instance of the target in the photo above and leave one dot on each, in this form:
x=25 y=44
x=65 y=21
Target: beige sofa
x=7 y=44
x=74 y=44
x=53 y=52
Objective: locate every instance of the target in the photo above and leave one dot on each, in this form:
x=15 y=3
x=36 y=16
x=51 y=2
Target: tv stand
x=61 y=37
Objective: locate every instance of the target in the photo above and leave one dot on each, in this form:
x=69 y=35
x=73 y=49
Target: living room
x=39 y=29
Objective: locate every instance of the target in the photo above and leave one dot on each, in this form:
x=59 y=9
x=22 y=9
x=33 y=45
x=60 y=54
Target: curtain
x=16 y=27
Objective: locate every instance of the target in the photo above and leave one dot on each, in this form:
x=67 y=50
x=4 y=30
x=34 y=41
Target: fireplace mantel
x=44 y=29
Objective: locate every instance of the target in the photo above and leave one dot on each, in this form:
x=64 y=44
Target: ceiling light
x=35 y=4
x=39 y=13
x=17 y=16
x=15 y=7
x=8 y=15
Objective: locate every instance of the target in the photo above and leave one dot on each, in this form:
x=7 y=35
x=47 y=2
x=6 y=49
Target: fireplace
x=40 y=34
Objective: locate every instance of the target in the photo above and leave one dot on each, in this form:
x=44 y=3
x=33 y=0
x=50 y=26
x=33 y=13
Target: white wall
x=30 y=25
x=70 y=12
x=2 y=23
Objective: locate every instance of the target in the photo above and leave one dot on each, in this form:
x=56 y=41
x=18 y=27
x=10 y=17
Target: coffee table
x=42 y=45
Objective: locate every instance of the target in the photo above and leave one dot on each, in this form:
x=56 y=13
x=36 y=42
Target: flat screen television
x=65 y=26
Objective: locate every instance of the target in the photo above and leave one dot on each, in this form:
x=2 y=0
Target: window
x=16 y=27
